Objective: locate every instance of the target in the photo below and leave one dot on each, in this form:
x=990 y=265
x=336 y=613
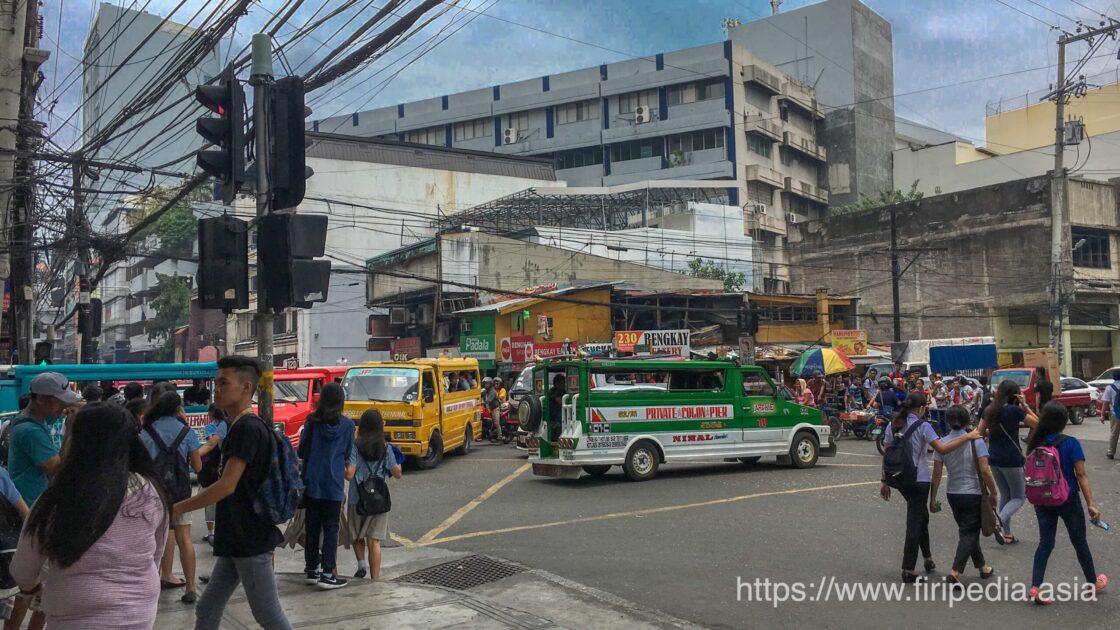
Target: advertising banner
x=479 y=347
x=852 y=343
x=655 y=342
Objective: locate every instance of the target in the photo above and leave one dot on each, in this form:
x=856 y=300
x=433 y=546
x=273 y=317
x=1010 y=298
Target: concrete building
x=142 y=45
x=379 y=195
x=993 y=275
x=845 y=51
x=716 y=112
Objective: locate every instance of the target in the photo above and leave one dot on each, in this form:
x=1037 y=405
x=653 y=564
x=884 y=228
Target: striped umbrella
x=823 y=360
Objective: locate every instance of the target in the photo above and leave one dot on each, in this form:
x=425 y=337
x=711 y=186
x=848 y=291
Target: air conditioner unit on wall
x=509 y=136
x=424 y=314
x=642 y=115
x=791 y=217
x=398 y=316
x=442 y=333
x=756 y=208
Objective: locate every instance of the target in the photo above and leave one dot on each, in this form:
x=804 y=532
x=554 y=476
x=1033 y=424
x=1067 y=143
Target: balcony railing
x=796 y=93
x=763 y=124
x=806 y=190
x=765 y=174
x=800 y=143
x=763 y=78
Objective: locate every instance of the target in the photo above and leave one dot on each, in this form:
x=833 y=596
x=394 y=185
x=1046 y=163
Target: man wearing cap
x=32 y=456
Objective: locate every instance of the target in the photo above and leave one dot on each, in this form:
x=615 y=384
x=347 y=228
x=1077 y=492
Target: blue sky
x=936 y=43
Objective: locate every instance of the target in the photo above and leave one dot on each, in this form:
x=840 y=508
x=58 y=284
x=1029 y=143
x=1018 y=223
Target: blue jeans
x=321 y=527
x=1073 y=516
x=256 y=575
x=1012 y=493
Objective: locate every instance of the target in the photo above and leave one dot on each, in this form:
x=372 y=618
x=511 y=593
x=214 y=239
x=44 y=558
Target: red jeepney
x=295 y=394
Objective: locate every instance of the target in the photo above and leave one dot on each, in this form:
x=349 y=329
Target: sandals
x=165 y=585
x=1038 y=599
x=988 y=575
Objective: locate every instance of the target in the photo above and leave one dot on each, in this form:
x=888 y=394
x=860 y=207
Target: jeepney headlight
x=404 y=435
x=278 y=427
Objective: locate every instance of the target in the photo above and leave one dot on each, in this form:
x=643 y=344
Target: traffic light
x=227 y=132
x=748 y=320
x=288 y=168
x=223 y=263
x=286 y=245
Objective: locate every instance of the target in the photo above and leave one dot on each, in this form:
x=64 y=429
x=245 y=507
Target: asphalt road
x=681 y=542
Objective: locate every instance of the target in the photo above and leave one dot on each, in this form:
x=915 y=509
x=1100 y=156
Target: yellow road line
x=876 y=456
x=466 y=509
x=851 y=465
x=429 y=539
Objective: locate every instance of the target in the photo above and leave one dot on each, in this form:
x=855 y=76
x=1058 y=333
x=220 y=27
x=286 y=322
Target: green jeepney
x=586 y=415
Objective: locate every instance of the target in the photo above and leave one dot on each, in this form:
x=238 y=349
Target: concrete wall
x=1032 y=126
x=992 y=237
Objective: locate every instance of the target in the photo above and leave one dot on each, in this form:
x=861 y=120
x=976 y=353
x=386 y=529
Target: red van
x=295 y=394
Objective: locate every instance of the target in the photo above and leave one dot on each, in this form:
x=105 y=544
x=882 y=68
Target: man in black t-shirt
x=1043 y=389
x=243 y=540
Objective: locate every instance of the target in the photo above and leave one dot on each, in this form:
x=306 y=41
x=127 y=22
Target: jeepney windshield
x=1021 y=378
x=381 y=384
x=620 y=380
x=290 y=391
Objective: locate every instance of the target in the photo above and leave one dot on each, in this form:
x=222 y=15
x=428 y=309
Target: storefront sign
x=746 y=350
x=646 y=342
x=517 y=349
x=405 y=349
x=479 y=347
x=546 y=349
x=852 y=343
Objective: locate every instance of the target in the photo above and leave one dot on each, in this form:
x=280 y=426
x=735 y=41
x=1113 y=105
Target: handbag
x=373 y=495
x=988 y=521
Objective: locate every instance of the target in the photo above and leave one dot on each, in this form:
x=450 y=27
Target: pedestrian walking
x=215 y=430
x=32 y=454
x=174 y=446
x=1048 y=443
x=1007 y=412
x=94 y=539
x=369 y=457
x=1110 y=411
x=243 y=539
x=915 y=435
x=324 y=447
x=969 y=477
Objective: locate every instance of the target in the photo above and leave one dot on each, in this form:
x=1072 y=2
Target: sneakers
x=209 y=539
x=929 y=565
x=1037 y=598
x=1101 y=583
x=1110 y=455
x=360 y=573
x=330 y=582
x=312 y=578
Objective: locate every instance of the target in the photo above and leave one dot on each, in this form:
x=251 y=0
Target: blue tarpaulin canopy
x=949 y=359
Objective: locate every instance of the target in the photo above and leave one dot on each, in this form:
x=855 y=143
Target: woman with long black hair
x=324 y=447
x=371 y=457
x=104 y=513
x=1003 y=417
x=923 y=436
x=1051 y=425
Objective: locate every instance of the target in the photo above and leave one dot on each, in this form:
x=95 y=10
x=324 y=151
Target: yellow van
x=430 y=406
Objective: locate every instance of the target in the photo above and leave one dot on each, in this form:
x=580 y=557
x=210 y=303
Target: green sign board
x=481 y=347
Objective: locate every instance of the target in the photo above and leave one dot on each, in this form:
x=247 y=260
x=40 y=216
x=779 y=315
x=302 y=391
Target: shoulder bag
x=988 y=521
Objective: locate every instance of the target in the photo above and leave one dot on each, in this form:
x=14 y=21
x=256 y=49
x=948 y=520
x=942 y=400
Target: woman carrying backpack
x=370 y=458
x=173 y=446
x=324 y=446
x=1045 y=442
x=912 y=479
x=969 y=475
x=1007 y=412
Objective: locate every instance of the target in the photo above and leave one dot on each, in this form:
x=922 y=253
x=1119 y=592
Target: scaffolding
x=605 y=208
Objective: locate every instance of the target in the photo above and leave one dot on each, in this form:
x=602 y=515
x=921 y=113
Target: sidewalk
x=526 y=599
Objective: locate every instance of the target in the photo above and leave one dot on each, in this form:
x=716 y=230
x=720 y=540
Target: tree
x=732 y=280
x=885 y=198
x=177 y=228
x=172 y=310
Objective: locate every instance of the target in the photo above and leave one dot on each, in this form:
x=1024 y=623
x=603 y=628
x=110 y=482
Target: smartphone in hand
x=1101 y=524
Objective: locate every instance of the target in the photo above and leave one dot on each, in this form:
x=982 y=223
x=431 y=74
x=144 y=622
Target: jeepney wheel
x=805 y=450
x=642 y=461
x=434 y=456
x=750 y=461
x=834 y=426
x=598 y=470
x=468 y=440
x=1077 y=415
x=529 y=413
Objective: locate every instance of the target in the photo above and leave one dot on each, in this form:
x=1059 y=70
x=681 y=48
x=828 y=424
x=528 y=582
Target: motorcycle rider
x=501 y=391
x=491 y=401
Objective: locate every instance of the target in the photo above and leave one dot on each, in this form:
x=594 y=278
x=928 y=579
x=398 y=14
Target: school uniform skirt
x=375 y=527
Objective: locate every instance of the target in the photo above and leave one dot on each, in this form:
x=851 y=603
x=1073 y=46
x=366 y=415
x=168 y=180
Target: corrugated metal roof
x=511 y=305
x=329 y=146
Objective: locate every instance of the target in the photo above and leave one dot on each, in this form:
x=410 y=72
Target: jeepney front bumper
x=829 y=450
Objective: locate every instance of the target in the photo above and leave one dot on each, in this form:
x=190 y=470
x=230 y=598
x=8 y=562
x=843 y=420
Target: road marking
x=429 y=538
x=859 y=454
x=405 y=542
x=466 y=509
x=851 y=465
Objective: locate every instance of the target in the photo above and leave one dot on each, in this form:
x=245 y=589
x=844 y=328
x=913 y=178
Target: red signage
x=405 y=349
x=517 y=349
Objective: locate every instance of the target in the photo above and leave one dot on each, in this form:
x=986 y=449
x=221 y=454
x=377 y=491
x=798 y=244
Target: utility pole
x=78 y=234
x=1061 y=261
x=261 y=80
x=897 y=271
x=13 y=29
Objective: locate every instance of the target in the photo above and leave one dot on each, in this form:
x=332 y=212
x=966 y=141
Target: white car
x=1105 y=379
x=1076 y=387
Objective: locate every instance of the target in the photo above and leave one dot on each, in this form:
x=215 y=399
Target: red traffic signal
x=227 y=132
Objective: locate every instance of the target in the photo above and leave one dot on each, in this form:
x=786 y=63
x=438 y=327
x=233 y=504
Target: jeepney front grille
x=464 y=573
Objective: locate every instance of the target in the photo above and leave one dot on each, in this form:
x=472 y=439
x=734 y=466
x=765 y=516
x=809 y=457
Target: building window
x=577 y=112
x=627 y=103
x=588 y=156
x=431 y=135
x=1095 y=253
x=518 y=121
x=472 y=129
x=696 y=141
x=760 y=146
x=636 y=149
x=787 y=314
x=699 y=91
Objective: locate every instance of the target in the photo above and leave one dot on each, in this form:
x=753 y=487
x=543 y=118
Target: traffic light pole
x=261 y=80
x=78 y=228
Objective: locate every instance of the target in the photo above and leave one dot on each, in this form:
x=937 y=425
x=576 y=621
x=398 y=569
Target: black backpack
x=6 y=438
x=170 y=468
x=899 y=470
x=373 y=495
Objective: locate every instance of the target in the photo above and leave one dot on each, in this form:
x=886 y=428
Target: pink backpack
x=1046 y=485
